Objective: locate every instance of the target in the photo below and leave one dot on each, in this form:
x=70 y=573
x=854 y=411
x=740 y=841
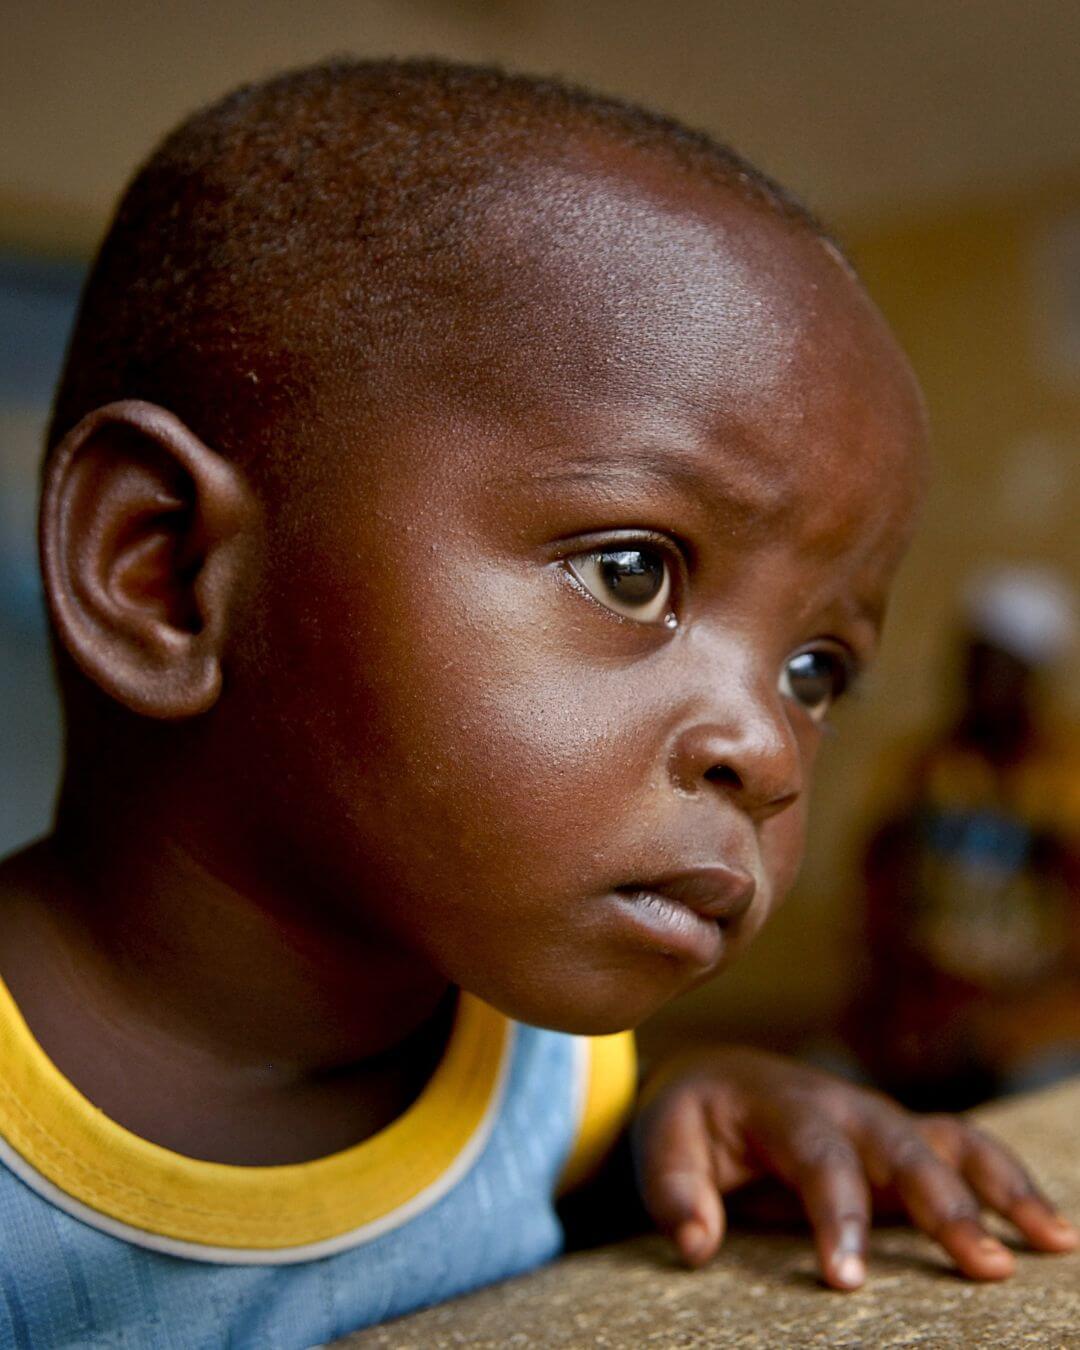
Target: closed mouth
x=721 y=893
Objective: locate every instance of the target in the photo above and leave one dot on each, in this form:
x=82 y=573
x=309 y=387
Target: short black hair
x=337 y=183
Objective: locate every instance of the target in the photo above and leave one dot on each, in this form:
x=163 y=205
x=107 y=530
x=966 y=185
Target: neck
x=199 y=1003
x=227 y=965
x=158 y=927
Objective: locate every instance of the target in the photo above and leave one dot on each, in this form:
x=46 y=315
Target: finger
x=1002 y=1183
x=677 y=1178
x=941 y=1203
x=827 y=1172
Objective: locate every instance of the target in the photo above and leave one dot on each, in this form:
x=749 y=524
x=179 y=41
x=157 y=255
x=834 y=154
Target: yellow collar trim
x=62 y=1145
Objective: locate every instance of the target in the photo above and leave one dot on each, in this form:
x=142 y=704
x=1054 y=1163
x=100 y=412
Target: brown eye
x=815 y=679
x=634 y=582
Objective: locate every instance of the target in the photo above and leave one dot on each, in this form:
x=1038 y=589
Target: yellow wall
x=977 y=312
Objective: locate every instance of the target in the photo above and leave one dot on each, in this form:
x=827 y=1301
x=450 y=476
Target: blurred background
x=939 y=138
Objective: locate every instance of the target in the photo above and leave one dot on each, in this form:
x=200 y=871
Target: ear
x=142 y=532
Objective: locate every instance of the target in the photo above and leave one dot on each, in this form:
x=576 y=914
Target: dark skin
x=426 y=723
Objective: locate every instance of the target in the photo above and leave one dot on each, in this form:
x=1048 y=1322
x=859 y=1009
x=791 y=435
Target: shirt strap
x=609 y=1073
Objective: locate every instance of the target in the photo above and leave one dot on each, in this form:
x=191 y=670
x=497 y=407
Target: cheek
x=463 y=736
x=535 y=754
x=782 y=838
x=783 y=842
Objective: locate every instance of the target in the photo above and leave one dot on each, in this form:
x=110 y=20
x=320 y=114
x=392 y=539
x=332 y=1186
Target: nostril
x=723 y=775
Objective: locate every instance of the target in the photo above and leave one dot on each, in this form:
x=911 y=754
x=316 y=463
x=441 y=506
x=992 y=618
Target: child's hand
x=719 y=1120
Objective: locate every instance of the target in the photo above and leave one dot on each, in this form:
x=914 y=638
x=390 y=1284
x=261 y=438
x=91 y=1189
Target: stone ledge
x=763 y=1289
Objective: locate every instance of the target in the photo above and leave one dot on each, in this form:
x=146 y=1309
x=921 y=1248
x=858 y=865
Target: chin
x=603 y=1005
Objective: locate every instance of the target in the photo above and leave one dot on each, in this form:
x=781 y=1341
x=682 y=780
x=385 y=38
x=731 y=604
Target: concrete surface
x=763 y=1290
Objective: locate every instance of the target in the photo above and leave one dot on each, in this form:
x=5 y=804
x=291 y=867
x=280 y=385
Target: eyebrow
x=744 y=505
x=748 y=508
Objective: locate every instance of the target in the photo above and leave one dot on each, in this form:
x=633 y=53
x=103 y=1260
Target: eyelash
x=676 y=576
x=676 y=566
x=848 y=669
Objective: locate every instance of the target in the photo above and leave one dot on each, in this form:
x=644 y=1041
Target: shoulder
x=607 y=1087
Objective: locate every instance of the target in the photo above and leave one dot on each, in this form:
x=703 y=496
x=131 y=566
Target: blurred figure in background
x=972 y=885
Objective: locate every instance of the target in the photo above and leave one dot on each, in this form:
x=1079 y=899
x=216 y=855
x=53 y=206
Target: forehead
x=595 y=322
x=649 y=320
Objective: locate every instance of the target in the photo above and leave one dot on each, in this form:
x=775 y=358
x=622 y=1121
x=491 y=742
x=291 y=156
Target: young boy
x=465 y=500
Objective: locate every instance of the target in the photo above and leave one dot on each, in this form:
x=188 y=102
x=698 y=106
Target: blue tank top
x=109 y=1240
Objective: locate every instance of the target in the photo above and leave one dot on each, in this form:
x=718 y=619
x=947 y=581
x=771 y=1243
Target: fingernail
x=1062 y=1224
x=992 y=1247
x=851 y=1271
x=693 y=1239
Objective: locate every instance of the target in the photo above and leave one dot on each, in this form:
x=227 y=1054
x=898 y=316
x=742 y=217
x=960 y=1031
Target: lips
x=723 y=894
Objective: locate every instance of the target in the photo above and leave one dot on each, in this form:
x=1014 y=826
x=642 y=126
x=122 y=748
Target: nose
x=748 y=751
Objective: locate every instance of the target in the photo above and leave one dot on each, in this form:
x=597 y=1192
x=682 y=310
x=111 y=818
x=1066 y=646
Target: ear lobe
x=142 y=538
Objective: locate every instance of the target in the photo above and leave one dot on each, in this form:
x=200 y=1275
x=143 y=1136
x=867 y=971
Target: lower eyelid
x=566 y=569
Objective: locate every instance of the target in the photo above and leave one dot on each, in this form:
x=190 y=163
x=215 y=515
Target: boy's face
x=553 y=656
